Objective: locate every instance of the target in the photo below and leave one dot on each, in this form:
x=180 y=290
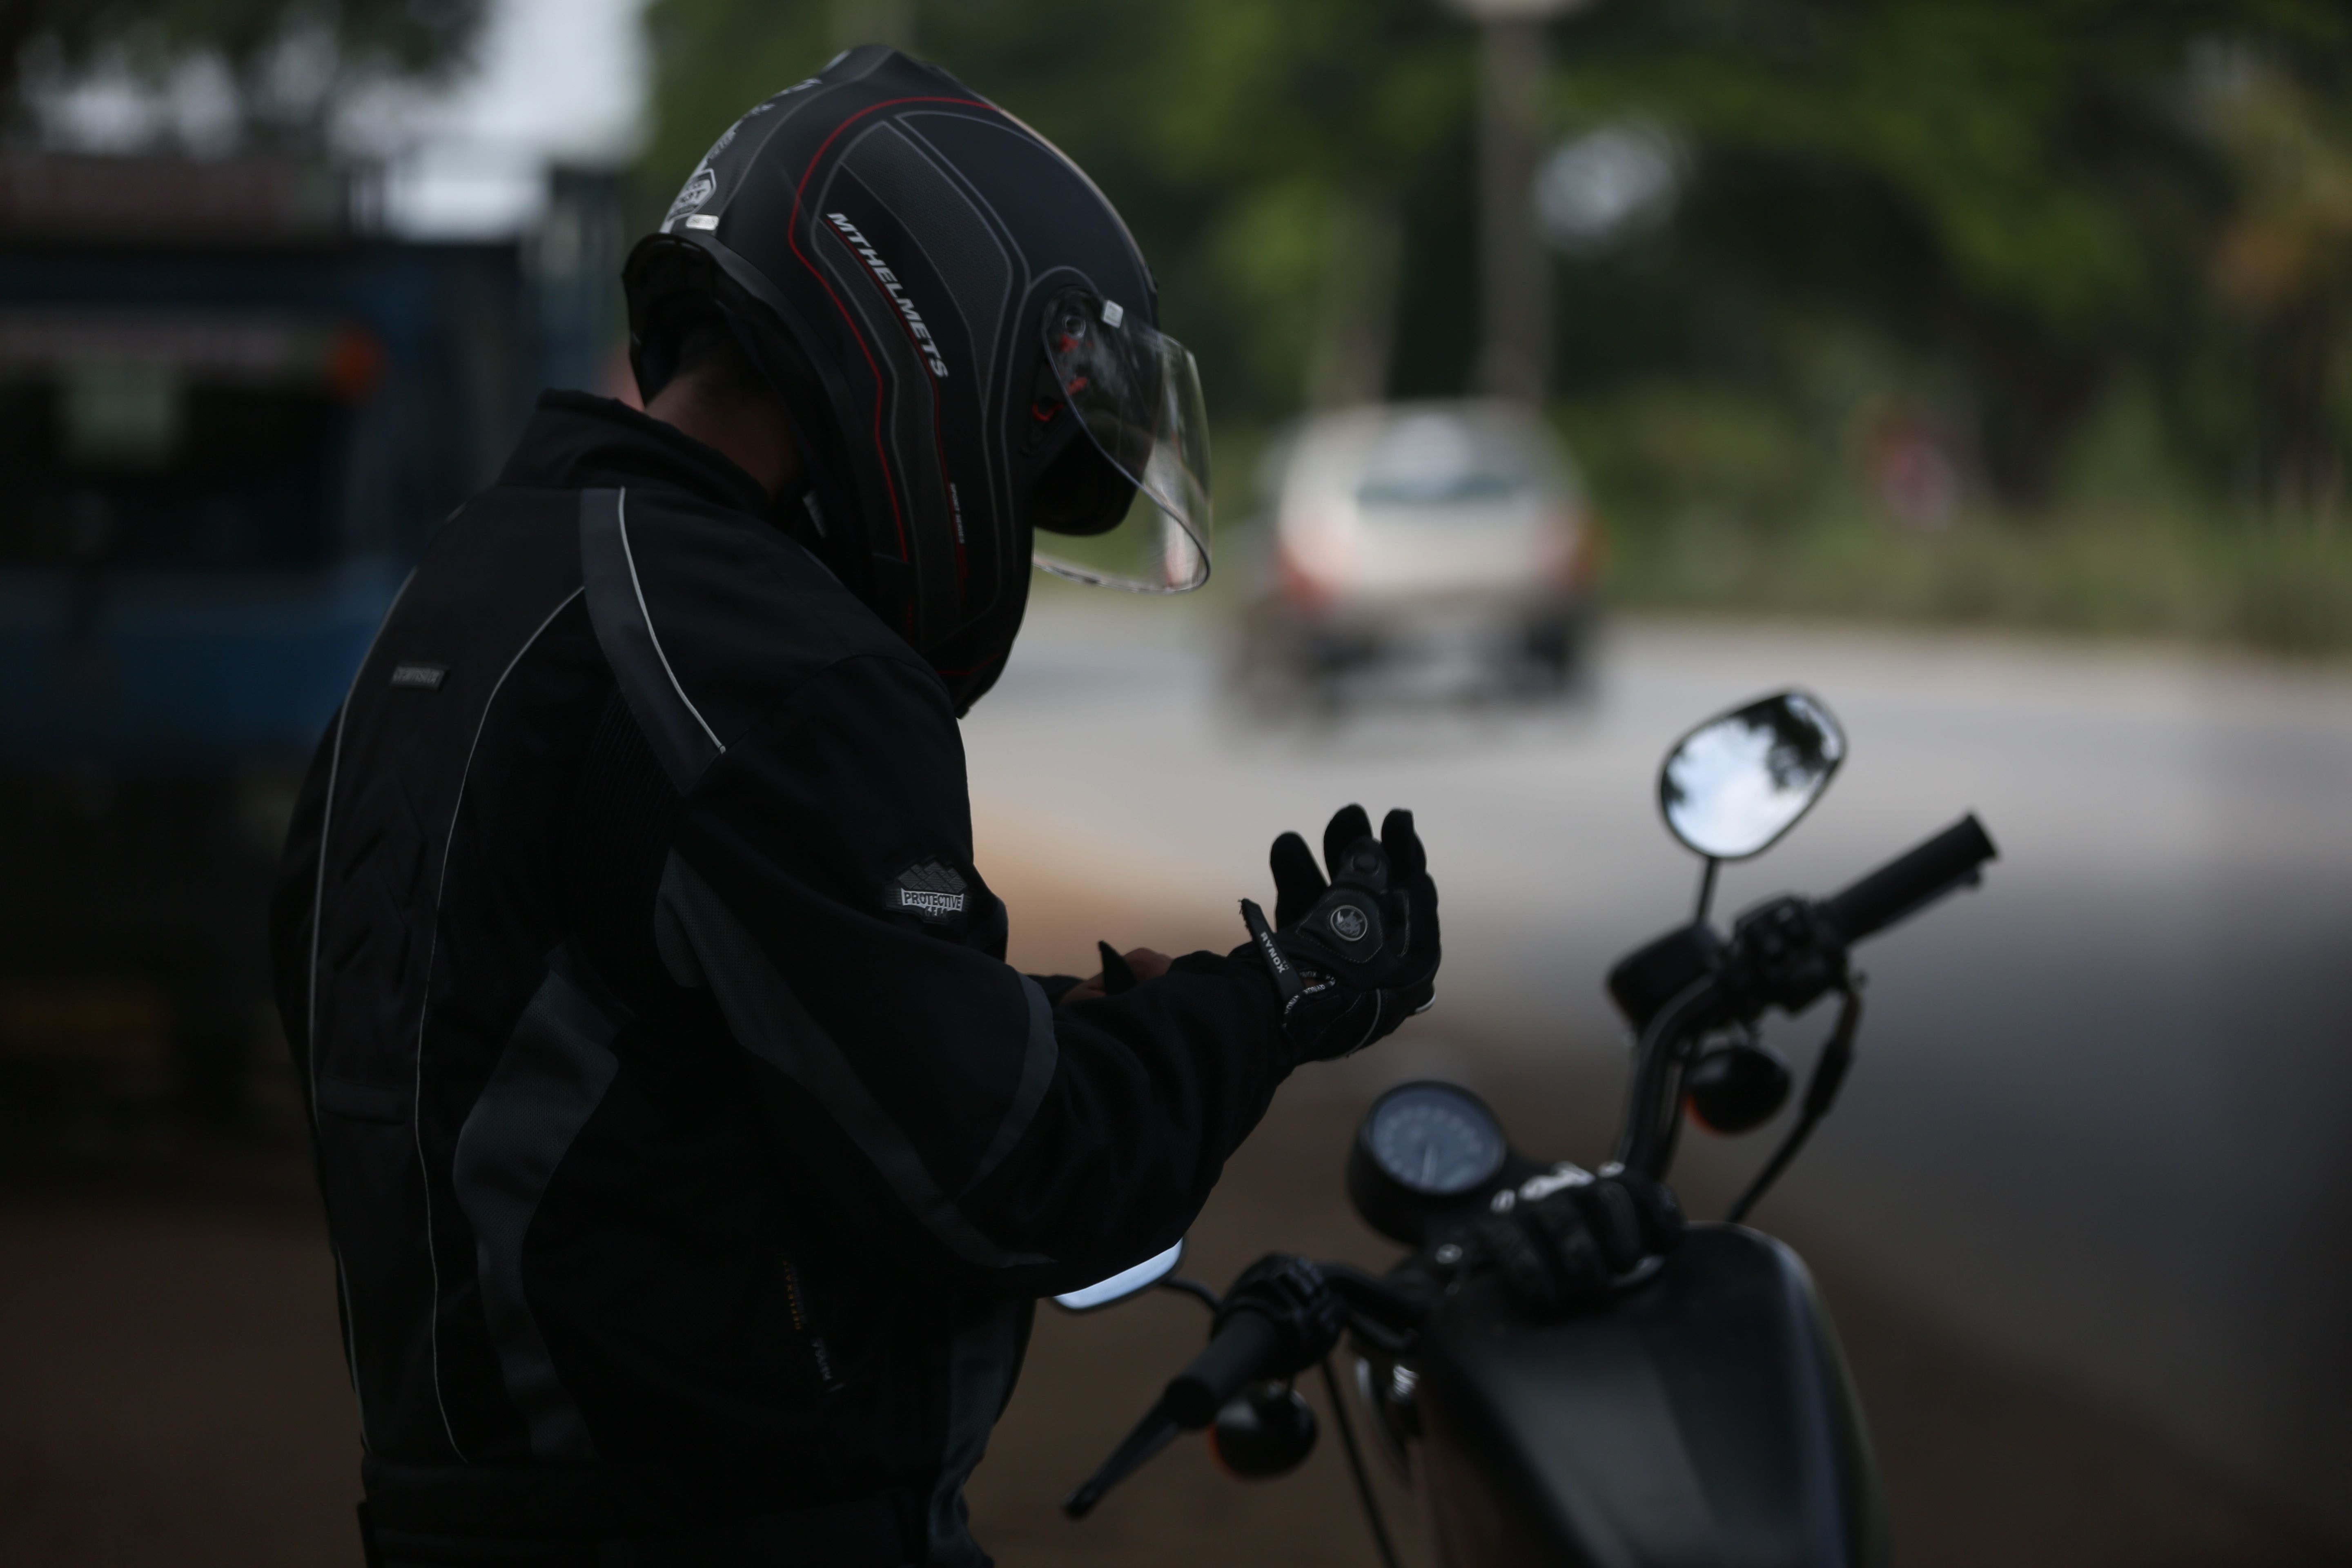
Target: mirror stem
x=1193 y=1287
x=1706 y=892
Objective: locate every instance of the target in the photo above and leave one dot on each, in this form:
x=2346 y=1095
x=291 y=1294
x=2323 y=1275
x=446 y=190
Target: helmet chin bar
x=1081 y=494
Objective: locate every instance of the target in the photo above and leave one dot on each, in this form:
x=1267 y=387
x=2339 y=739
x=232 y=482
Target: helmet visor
x=1136 y=394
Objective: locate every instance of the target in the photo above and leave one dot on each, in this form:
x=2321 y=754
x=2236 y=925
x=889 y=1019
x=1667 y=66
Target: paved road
x=2098 y=1122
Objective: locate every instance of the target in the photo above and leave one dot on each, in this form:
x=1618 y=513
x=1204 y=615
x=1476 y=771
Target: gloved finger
x=1415 y=911
x=1409 y=876
x=1297 y=880
x=1408 y=861
x=1349 y=824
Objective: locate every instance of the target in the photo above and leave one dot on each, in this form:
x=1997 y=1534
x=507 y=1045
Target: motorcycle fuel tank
x=1704 y=1418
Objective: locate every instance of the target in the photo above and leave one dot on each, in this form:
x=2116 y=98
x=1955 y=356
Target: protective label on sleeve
x=928 y=891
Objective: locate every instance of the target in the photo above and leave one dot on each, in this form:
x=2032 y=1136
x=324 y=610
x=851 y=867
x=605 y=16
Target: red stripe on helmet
x=793 y=238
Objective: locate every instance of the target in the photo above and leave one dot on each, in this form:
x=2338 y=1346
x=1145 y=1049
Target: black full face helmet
x=965 y=339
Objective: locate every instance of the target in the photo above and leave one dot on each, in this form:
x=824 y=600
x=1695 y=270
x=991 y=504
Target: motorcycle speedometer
x=1434 y=1139
x=1424 y=1151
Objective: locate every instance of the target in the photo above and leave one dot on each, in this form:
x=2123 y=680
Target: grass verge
x=2280 y=585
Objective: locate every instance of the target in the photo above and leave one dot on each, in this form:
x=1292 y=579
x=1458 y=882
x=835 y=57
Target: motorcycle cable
x=1644 y=1143
x=1183 y=1285
x=1356 y=1467
x=1820 y=1094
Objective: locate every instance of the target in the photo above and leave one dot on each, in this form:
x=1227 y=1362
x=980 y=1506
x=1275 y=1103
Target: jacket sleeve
x=821 y=886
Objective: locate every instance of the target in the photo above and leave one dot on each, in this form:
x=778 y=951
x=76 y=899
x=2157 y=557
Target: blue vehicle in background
x=229 y=418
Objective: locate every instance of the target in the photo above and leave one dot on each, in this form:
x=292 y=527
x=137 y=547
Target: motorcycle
x=1701 y=1411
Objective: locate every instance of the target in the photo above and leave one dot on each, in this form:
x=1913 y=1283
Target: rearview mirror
x=1738 y=782
x=1125 y=1283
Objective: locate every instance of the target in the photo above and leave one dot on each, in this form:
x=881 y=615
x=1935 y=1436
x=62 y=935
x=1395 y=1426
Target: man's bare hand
x=1141 y=962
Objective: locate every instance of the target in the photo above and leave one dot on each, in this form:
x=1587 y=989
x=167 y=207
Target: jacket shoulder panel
x=710 y=619
x=680 y=736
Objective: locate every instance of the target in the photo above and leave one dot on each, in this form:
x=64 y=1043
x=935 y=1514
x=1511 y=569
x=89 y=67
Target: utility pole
x=1514 y=273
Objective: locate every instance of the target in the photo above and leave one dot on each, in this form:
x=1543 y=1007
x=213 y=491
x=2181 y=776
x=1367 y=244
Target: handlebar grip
x=1241 y=1350
x=1901 y=885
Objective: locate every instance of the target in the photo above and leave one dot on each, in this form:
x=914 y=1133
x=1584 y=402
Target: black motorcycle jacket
x=691 y=1158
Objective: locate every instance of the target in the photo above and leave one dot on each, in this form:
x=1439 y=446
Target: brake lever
x=1154 y=1432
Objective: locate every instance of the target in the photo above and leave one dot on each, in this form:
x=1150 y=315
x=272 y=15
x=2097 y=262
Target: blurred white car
x=1420 y=546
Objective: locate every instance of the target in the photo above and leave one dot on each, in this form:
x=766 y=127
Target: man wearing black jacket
x=692 y=1159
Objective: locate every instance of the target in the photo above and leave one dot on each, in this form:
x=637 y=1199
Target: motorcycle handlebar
x=1910 y=880
x=1240 y=1352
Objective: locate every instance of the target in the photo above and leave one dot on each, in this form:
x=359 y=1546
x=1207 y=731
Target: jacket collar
x=576 y=440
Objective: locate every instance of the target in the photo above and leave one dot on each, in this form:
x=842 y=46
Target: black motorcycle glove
x=1354 y=956
x=1568 y=1235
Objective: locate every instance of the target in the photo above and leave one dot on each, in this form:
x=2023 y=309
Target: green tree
x=2030 y=193
x=2024 y=204
x=2283 y=269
